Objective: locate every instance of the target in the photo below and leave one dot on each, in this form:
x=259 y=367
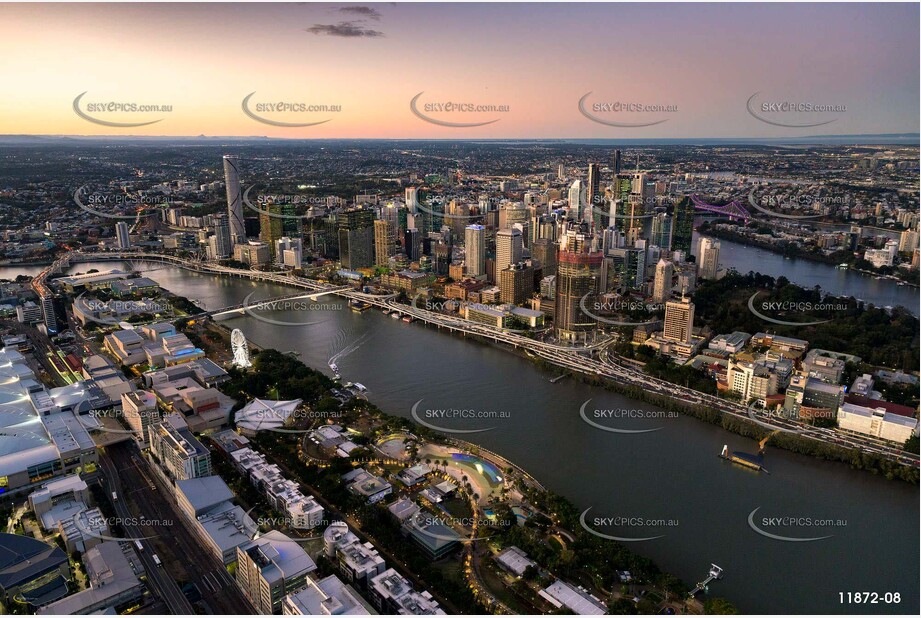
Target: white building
x=876 y=422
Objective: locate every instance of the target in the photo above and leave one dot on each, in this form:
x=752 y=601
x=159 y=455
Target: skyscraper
x=593 y=196
x=683 y=226
x=412 y=199
x=616 y=162
x=475 y=246
x=271 y=226
x=356 y=238
x=660 y=233
x=576 y=199
x=679 y=320
x=578 y=273
x=708 y=258
x=508 y=248
x=412 y=244
x=385 y=241
x=221 y=243
x=121 y=235
x=662 y=284
x=234 y=199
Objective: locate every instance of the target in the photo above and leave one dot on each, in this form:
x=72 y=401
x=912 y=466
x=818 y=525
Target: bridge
x=267 y=303
x=733 y=210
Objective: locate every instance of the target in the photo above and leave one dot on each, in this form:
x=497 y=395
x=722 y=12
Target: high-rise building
x=356 y=238
x=662 y=286
x=679 y=320
x=270 y=227
x=577 y=276
x=48 y=312
x=683 y=226
x=475 y=247
x=576 y=199
x=221 y=244
x=560 y=171
x=616 y=162
x=594 y=198
x=516 y=283
x=270 y=567
x=411 y=197
x=544 y=251
x=385 y=241
x=708 y=258
x=660 y=233
x=234 y=199
x=289 y=252
x=412 y=244
x=121 y=235
x=508 y=248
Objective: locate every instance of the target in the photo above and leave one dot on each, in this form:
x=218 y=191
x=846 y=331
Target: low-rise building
x=515 y=561
x=362 y=483
x=876 y=422
x=391 y=593
x=574 y=598
x=329 y=596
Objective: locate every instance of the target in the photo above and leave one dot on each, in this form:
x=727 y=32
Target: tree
x=719 y=605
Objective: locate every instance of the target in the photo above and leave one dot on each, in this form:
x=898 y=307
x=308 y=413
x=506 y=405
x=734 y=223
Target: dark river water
x=699 y=505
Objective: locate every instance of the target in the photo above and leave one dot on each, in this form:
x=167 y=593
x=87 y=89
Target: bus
x=138 y=544
x=156 y=560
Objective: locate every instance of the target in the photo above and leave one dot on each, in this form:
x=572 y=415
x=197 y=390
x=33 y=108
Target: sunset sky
x=537 y=59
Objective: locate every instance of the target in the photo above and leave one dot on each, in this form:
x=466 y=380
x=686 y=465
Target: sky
x=709 y=68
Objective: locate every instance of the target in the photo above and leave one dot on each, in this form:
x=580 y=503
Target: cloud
x=347 y=29
x=364 y=11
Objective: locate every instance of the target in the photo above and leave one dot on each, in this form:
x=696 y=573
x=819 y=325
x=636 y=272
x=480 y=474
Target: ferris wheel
x=240 y=349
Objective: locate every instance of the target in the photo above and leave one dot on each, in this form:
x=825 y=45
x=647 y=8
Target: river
x=672 y=474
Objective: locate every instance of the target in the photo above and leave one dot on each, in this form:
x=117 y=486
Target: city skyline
x=704 y=63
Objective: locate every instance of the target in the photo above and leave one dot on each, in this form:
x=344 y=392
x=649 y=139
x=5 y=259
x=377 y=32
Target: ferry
x=334 y=367
x=407 y=319
x=746 y=460
x=358 y=306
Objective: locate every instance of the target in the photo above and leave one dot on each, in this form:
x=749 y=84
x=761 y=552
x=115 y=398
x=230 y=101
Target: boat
x=407 y=319
x=358 y=306
x=842 y=266
x=385 y=311
x=746 y=460
x=395 y=315
x=334 y=367
x=361 y=387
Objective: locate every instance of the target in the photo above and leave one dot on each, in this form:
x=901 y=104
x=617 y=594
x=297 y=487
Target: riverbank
x=791 y=250
x=600 y=557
